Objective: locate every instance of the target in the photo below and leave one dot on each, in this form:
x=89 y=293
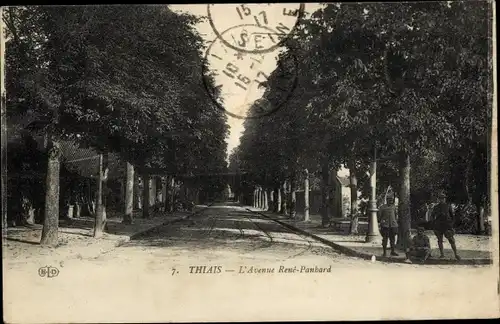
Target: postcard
x=249 y=162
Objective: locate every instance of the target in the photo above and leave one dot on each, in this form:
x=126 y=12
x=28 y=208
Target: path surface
x=229 y=264
x=473 y=249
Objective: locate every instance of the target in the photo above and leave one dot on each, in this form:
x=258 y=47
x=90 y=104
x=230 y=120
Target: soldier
x=421 y=246
x=388 y=225
x=443 y=219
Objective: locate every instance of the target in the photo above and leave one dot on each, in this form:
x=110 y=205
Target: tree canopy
x=119 y=79
x=409 y=79
x=123 y=79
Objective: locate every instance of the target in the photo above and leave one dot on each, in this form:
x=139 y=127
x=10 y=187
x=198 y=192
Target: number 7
x=263 y=14
x=262 y=74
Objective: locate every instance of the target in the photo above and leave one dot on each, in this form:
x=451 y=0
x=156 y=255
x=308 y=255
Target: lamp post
x=373 y=231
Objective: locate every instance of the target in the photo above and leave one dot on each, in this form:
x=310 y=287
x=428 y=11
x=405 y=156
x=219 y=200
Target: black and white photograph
x=249 y=162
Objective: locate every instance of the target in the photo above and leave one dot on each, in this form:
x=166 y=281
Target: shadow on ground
x=222 y=228
x=464 y=254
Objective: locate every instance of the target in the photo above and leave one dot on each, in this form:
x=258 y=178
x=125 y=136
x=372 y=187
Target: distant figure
x=388 y=217
x=443 y=220
x=189 y=205
x=427 y=223
x=421 y=246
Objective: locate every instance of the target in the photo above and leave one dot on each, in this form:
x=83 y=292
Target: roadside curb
x=352 y=252
x=124 y=239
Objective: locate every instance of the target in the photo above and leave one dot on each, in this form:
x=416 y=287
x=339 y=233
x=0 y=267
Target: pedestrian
x=421 y=246
x=443 y=220
x=388 y=220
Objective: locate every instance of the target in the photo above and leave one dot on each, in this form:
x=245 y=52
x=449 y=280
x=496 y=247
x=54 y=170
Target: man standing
x=388 y=220
x=443 y=220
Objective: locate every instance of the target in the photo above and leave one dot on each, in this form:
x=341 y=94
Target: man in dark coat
x=443 y=219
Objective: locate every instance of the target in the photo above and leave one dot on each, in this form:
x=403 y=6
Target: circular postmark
x=279 y=21
x=240 y=80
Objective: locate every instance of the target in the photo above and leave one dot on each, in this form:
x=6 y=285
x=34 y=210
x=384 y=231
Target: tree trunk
x=480 y=220
x=283 y=199
x=293 y=197
x=262 y=200
x=100 y=219
x=152 y=192
x=172 y=194
x=306 y=196
x=164 y=191
x=146 y=191
x=277 y=208
x=197 y=196
x=271 y=201
x=70 y=211
x=3 y=138
x=187 y=194
x=266 y=203
x=353 y=181
x=137 y=192
x=51 y=220
x=166 y=200
x=121 y=201
x=78 y=209
x=404 y=202
x=255 y=197
x=105 y=191
x=159 y=192
x=128 y=218
x=325 y=194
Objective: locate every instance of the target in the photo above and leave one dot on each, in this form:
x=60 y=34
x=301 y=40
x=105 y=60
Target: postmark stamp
x=241 y=79
x=278 y=19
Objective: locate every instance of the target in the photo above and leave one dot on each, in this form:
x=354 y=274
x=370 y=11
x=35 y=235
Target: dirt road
x=228 y=264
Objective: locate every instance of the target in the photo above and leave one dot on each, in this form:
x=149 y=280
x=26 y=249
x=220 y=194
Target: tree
x=129 y=194
x=28 y=65
x=365 y=84
x=114 y=78
x=3 y=111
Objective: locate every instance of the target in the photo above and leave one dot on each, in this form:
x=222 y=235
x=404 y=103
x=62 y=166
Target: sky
x=232 y=16
x=253 y=67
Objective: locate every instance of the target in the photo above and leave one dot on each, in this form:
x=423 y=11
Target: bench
x=344 y=224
